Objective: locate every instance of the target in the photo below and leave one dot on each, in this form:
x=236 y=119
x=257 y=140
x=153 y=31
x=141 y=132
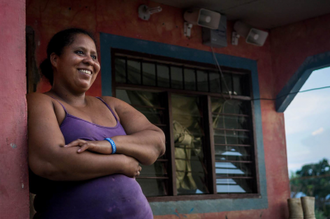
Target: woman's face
x=78 y=64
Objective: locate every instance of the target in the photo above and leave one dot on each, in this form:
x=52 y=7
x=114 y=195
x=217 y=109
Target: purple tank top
x=115 y=196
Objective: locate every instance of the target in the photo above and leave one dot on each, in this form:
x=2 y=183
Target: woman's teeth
x=85 y=71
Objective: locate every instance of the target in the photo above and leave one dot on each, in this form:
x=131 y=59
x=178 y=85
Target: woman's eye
x=79 y=52
x=94 y=57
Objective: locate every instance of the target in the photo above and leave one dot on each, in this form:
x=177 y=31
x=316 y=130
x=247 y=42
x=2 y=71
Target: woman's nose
x=88 y=60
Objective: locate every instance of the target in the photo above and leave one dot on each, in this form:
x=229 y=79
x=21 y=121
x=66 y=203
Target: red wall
x=278 y=59
x=292 y=44
x=14 y=187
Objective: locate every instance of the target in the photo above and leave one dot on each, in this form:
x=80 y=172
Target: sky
x=307 y=122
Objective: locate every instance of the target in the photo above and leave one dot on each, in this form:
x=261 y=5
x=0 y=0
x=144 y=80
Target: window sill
x=202 y=197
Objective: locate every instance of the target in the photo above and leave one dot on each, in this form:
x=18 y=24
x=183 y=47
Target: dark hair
x=56 y=44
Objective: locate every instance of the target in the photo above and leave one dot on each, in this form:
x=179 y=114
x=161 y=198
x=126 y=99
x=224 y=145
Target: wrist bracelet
x=113 y=145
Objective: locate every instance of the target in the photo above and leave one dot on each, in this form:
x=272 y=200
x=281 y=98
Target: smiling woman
x=84 y=152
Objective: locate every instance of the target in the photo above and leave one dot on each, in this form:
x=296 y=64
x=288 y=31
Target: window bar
x=141 y=71
x=126 y=71
x=172 y=164
x=183 y=78
x=211 y=160
x=220 y=84
x=196 y=83
x=208 y=82
x=232 y=84
x=170 y=75
x=156 y=75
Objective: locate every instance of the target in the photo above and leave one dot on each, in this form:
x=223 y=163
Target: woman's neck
x=74 y=99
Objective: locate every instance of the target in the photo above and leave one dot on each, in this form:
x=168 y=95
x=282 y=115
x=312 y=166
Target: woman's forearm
x=67 y=165
x=145 y=146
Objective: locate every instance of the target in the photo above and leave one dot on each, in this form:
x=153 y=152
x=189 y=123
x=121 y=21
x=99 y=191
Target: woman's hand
x=102 y=147
x=131 y=167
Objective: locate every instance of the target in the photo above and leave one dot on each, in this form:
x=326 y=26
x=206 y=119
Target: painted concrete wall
x=298 y=50
x=276 y=63
x=292 y=44
x=14 y=187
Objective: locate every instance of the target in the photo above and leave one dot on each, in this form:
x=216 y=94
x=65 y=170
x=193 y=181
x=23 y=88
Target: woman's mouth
x=85 y=71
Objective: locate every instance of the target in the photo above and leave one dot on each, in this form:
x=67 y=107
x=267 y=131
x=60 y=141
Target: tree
x=314 y=180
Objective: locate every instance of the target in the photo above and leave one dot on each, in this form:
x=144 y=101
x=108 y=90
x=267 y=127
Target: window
x=207 y=119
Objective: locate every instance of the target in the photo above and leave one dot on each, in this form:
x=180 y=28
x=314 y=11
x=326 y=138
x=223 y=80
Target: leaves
x=313 y=180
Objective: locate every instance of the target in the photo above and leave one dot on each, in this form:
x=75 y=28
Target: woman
x=84 y=152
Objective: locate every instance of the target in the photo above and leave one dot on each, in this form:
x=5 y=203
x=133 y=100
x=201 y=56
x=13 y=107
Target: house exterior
x=279 y=67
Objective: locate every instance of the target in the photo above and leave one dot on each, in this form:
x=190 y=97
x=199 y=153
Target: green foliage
x=319 y=214
x=314 y=180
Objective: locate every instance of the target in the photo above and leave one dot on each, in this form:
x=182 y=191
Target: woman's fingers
x=83 y=148
x=102 y=147
x=138 y=171
x=75 y=143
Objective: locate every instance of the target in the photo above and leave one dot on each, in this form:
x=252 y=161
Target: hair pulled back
x=56 y=45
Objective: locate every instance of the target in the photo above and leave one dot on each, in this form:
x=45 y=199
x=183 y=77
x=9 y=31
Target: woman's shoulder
x=38 y=98
x=112 y=101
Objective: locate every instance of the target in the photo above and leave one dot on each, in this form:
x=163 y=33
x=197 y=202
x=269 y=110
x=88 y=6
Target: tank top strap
x=114 y=115
x=61 y=104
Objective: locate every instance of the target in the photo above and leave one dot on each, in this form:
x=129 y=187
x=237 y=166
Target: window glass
x=202 y=81
x=227 y=106
x=149 y=75
x=189 y=79
x=231 y=122
x=188 y=135
x=232 y=185
x=233 y=153
x=153 y=178
x=232 y=146
x=176 y=77
x=133 y=72
x=153 y=187
x=231 y=137
x=139 y=98
x=232 y=140
x=163 y=74
x=215 y=86
x=120 y=70
x=241 y=85
x=226 y=84
x=232 y=169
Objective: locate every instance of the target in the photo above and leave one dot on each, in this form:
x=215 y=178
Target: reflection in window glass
x=232 y=153
x=176 y=77
x=163 y=74
x=229 y=185
x=188 y=139
x=149 y=75
x=134 y=72
x=232 y=146
x=142 y=98
x=226 y=169
x=231 y=137
x=226 y=84
x=215 y=86
x=241 y=85
x=153 y=178
x=189 y=79
x=155 y=116
x=202 y=81
x=153 y=187
x=120 y=70
x=230 y=106
x=231 y=122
